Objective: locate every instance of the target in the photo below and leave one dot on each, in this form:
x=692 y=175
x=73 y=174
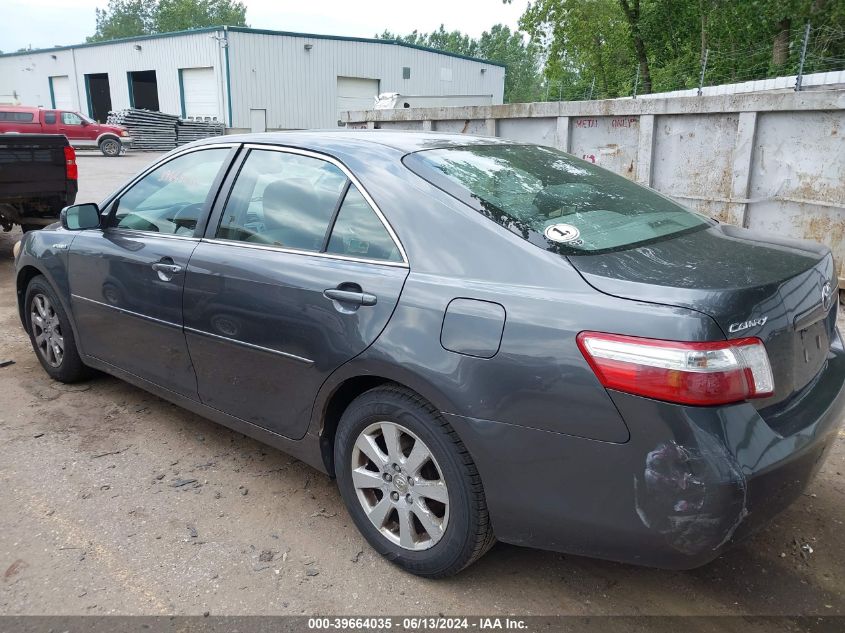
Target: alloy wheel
x=47 y=330
x=400 y=486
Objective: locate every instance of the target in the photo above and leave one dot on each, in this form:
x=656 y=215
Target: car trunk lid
x=782 y=291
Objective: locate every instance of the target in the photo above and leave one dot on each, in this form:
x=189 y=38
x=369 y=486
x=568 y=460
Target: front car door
x=127 y=279
x=297 y=274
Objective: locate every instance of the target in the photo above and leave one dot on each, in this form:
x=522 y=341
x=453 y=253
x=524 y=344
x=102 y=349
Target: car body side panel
x=538 y=378
x=47 y=251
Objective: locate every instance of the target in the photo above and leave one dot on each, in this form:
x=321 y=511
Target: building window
x=406 y=72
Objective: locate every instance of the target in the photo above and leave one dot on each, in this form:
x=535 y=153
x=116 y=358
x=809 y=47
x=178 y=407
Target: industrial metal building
x=250 y=79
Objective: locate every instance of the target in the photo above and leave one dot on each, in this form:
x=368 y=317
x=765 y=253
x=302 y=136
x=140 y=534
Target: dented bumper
x=688 y=483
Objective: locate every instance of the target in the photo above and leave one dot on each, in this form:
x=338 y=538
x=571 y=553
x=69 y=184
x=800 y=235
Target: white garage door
x=200 y=93
x=61 y=93
x=355 y=93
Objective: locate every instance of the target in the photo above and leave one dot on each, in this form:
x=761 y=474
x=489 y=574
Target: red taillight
x=71 y=169
x=718 y=372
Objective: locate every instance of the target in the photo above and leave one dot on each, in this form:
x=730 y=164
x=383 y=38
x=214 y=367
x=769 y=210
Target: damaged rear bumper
x=688 y=483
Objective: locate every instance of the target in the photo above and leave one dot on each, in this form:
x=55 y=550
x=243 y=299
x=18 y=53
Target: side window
x=171 y=198
x=282 y=199
x=71 y=118
x=358 y=231
x=50 y=118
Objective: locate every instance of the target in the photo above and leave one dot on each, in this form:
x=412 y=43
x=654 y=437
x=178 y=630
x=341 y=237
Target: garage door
x=62 y=98
x=355 y=93
x=200 y=93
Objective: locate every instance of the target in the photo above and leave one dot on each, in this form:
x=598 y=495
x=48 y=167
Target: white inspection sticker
x=562 y=233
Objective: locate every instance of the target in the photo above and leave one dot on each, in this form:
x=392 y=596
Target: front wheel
x=410 y=484
x=110 y=147
x=51 y=334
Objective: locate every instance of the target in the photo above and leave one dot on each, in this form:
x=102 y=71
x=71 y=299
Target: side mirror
x=85 y=123
x=79 y=217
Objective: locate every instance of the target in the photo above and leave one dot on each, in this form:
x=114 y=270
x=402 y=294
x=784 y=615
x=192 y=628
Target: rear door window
x=552 y=199
x=358 y=231
x=282 y=199
x=50 y=118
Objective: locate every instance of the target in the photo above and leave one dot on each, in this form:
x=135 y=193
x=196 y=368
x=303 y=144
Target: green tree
x=128 y=18
x=606 y=41
x=178 y=15
x=125 y=18
x=499 y=44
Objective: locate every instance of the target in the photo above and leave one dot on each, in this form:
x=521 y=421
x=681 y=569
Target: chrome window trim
x=132 y=233
x=295 y=251
x=333 y=161
x=260 y=348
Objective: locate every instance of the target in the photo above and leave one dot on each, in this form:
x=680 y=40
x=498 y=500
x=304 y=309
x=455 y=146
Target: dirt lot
x=93 y=519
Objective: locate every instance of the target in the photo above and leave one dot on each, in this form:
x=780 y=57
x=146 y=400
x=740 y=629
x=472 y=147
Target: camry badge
x=744 y=325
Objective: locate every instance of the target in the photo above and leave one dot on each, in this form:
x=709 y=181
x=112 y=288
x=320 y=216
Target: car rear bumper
x=689 y=482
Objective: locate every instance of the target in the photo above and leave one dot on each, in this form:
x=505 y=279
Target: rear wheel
x=410 y=484
x=50 y=333
x=110 y=147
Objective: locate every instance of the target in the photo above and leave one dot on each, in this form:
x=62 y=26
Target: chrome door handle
x=348 y=296
x=171 y=269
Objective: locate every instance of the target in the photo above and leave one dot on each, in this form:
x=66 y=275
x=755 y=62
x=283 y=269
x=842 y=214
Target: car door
x=275 y=300
x=70 y=124
x=126 y=280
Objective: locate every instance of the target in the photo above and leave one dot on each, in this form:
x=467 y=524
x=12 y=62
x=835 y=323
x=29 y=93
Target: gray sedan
x=479 y=339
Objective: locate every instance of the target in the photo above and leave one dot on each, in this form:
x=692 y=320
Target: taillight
x=711 y=373
x=71 y=169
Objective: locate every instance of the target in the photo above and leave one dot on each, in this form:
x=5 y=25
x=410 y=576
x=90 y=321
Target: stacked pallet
x=187 y=131
x=152 y=131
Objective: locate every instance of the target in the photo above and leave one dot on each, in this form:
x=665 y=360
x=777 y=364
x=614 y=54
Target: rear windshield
x=553 y=199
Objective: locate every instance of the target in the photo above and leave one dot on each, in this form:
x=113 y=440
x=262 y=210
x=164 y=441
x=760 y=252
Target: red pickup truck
x=79 y=129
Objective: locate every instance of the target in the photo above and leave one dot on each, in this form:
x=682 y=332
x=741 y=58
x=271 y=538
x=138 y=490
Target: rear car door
x=126 y=280
x=298 y=273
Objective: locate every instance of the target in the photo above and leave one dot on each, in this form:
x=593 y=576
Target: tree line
x=578 y=49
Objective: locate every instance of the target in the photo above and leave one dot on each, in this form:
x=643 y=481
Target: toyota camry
x=479 y=339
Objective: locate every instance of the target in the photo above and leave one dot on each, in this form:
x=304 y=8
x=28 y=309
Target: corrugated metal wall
x=27 y=75
x=298 y=87
x=768 y=161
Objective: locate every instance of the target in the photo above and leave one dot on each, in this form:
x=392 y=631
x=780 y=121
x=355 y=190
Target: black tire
x=70 y=368
x=110 y=147
x=468 y=533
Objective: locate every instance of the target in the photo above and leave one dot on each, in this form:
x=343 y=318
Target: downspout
x=75 y=79
x=228 y=73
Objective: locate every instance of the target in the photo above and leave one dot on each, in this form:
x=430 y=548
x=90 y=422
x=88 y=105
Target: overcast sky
x=45 y=23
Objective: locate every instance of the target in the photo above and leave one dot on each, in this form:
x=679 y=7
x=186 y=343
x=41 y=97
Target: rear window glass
x=19 y=117
x=49 y=117
x=552 y=199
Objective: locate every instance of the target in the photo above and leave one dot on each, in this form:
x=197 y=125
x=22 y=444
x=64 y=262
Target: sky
x=46 y=23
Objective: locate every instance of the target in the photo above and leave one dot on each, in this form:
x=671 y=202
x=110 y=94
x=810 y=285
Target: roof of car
x=404 y=141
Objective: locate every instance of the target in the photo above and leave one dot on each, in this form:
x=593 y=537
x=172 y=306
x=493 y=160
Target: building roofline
x=245 y=29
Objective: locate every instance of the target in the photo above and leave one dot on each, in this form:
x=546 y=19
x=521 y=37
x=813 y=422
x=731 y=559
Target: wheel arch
x=339 y=392
x=108 y=135
x=25 y=275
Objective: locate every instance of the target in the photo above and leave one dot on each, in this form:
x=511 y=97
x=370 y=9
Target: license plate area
x=812 y=346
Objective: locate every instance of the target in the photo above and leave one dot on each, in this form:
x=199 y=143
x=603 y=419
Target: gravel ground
x=96 y=518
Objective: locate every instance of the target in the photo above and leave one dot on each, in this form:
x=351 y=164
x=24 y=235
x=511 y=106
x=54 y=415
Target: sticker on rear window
x=562 y=233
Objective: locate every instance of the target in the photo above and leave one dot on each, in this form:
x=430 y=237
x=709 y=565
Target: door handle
x=349 y=296
x=170 y=269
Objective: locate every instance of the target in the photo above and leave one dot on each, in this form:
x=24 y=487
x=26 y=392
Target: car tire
x=432 y=536
x=110 y=147
x=49 y=331
x=26 y=228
